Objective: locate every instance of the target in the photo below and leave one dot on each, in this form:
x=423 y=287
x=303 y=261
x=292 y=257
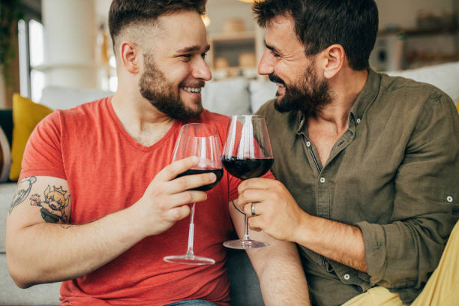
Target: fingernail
x=212 y=176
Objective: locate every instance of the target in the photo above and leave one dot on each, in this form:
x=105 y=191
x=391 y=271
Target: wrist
x=302 y=229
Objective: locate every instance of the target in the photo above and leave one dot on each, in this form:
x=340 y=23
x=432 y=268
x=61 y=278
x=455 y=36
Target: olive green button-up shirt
x=394 y=174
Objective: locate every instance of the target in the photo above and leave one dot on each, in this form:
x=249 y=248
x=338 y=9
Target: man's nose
x=265 y=66
x=201 y=70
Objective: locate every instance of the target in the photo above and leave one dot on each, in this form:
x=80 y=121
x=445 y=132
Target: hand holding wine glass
x=198 y=140
x=247 y=154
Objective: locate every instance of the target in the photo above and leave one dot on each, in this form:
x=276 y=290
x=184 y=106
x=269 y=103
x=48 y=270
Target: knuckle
x=182 y=183
x=176 y=214
x=188 y=197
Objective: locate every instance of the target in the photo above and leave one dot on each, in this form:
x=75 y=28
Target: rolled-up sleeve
x=405 y=251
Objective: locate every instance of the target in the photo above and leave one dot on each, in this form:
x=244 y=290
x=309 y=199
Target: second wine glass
x=196 y=139
x=247 y=154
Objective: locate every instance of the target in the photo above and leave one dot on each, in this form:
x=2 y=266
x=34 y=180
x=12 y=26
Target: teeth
x=192 y=89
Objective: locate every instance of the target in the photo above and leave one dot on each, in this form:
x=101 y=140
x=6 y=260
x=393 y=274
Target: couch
x=233 y=96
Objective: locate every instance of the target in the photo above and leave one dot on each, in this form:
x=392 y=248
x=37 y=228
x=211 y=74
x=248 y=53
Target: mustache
x=275 y=79
x=194 y=84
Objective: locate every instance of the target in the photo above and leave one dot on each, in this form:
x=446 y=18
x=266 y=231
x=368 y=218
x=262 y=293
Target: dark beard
x=155 y=88
x=309 y=96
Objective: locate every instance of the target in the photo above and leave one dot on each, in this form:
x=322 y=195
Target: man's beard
x=308 y=96
x=163 y=95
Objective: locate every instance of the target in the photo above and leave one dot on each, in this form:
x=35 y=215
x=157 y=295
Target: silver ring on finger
x=253 y=210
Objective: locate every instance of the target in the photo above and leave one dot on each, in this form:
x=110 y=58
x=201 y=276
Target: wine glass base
x=245 y=244
x=189 y=260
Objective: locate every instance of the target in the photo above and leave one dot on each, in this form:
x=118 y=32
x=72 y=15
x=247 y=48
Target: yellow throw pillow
x=457 y=106
x=26 y=115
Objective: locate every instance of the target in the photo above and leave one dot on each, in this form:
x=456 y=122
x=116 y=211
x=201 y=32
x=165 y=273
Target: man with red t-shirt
x=105 y=205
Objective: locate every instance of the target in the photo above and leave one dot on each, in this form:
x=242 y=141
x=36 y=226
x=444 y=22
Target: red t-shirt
x=107 y=171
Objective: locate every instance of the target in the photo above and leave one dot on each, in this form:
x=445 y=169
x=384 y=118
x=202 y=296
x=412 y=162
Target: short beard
x=155 y=88
x=309 y=96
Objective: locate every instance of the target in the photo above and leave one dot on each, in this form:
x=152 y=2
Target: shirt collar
x=368 y=95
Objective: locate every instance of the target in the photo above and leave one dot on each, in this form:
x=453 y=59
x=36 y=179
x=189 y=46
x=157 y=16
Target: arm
x=279 y=215
x=278 y=267
x=56 y=251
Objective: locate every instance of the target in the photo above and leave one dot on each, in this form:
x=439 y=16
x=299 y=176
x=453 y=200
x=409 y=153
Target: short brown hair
x=126 y=12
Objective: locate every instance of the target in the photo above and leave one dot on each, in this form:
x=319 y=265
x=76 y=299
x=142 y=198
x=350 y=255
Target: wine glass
x=196 y=139
x=247 y=154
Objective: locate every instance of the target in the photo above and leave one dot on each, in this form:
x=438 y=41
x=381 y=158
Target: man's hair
x=124 y=13
x=352 y=24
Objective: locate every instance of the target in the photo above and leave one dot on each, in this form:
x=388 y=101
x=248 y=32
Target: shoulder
x=78 y=116
x=412 y=93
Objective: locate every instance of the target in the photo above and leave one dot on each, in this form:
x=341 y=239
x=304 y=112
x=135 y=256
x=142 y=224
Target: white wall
x=404 y=12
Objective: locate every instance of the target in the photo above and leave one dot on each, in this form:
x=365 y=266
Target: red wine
x=247 y=168
x=218 y=173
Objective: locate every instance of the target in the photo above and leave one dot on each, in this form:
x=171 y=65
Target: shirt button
x=449 y=199
x=308 y=144
x=347 y=276
x=358 y=120
x=322 y=180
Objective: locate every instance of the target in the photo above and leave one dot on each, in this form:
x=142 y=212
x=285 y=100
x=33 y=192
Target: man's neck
x=345 y=90
x=332 y=121
x=141 y=120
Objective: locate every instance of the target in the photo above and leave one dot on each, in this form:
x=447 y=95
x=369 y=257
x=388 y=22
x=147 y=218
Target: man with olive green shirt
x=367 y=164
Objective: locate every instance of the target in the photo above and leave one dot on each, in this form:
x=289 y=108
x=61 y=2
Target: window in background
x=31 y=56
x=37 y=78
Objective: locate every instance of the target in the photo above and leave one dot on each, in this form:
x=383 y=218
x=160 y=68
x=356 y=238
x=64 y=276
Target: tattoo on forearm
x=54 y=204
x=22 y=192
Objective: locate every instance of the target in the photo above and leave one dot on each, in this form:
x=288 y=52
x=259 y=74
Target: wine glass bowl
x=247 y=154
x=200 y=140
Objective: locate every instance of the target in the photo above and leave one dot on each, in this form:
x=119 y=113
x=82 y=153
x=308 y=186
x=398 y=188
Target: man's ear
x=130 y=56
x=334 y=59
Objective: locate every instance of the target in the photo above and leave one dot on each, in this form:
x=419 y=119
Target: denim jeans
x=193 y=303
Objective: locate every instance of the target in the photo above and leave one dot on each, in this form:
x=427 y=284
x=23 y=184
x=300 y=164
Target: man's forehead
x=280 y=33
x=182 y=30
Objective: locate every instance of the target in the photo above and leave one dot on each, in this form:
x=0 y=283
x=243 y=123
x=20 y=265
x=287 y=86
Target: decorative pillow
x=26 y=115
x=57 y=97
x=228 y=97
x=5 y=157
x=261 y=92
x=443 y=76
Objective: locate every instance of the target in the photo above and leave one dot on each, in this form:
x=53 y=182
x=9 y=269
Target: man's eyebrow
x=193 y=49
x=272 y=48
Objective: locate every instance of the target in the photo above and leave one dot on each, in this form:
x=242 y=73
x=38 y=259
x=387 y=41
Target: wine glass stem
x=189 y=251
x=246 y=228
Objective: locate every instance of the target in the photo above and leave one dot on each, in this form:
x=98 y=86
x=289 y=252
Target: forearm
x=278 y=267
x=62 y=251
x=282 y=280
x=340 y=242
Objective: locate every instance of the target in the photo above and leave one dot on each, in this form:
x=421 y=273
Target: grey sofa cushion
x=6 y=196
x=10 y=294
x=244 y=284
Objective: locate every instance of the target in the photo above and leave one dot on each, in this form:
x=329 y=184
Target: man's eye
x=186 y=56
x=204 y=55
